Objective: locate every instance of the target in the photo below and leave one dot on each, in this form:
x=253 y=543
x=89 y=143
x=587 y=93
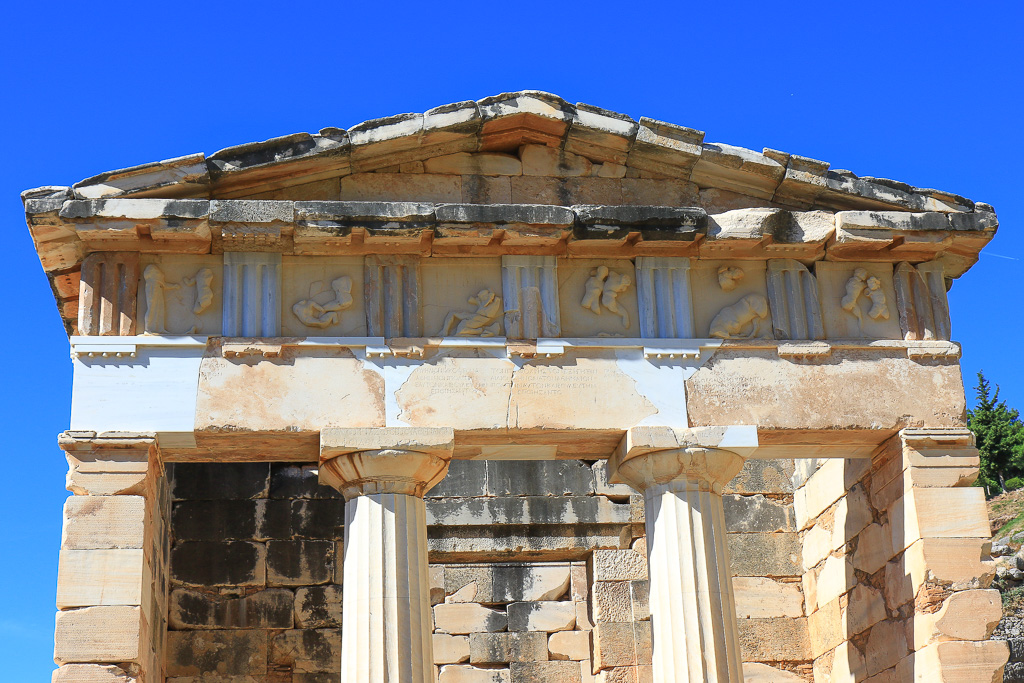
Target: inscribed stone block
x=762 y=597
x=98 y=634
x=765 y=554
x=775 y=639
x=100 y=577
x=91 y=673
x=103 y=522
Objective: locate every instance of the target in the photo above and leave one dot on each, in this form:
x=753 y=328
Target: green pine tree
x=1000 y=438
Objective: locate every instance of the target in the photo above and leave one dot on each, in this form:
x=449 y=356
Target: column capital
x=406 y=460
x=706 y=456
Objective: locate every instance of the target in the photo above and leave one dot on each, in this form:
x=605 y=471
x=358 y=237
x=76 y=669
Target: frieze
x=253 y=294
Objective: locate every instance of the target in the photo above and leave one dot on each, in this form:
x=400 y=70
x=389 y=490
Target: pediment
x=559 y=153
x=518 y=173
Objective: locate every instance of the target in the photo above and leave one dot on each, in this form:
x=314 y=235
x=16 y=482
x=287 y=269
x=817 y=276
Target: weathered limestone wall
x=896 y=563
x=538 y=572
x=256 y=568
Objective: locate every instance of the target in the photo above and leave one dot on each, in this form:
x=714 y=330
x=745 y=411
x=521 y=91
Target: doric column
x=693 y=613
x=383 y=474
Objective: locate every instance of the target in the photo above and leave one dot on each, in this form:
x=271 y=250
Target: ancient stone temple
x=515 y=391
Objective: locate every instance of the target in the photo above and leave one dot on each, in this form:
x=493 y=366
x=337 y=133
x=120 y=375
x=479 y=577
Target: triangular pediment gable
x=488 y=138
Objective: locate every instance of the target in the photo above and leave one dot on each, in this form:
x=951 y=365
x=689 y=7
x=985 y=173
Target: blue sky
x=926 y=93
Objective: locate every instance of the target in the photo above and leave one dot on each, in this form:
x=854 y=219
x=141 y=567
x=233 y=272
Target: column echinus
x=383 y=474
x=681 y=473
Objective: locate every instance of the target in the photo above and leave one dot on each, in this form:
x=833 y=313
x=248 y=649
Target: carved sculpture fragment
x=742 y=320
x=203 y=281
x=602 y=289
x=156 y=299
x=483 y=322
x=312 y=313
x=157 y=286
x=861 y=285
x=729 y=277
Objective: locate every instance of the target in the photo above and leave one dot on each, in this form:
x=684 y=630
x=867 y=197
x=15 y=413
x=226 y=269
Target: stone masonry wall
x=896 y=567
x=538 y=572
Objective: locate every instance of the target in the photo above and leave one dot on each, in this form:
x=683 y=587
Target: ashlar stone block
x=545 y=672
x=468 y=618
x=98 y=634
x=499 y=648
x=307 y=650
x=450 y=649
x=226 y=653
x=92 y=522
x=569 y=645
x=546 y=616
x=619 y=565
x=472 y=674
x=318 y=607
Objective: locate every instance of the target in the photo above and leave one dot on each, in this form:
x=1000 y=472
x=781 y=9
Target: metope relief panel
x=530 y=291
x=180 y=294
x=322 y=296
x=664 y=297
x=462 y=297
x=858 y=300
x=730 y=300
x=921 y=299
x=107 y=294
x=252 y=294
x=597 y=298
x=392 y=292
x=793 y=297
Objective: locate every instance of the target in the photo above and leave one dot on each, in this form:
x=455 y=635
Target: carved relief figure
x=742 y=320
x=594 y=287
x=879 y=309
x=483 y=322
x=729 y=277
x=156 y=299
x=855 y=286
x=603 y=289
x=203 y=281
x=315 y=314
x=860 y=285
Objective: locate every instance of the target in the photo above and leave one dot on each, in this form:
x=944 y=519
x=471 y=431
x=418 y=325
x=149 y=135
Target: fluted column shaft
x=693 y=611
x=386 y=621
